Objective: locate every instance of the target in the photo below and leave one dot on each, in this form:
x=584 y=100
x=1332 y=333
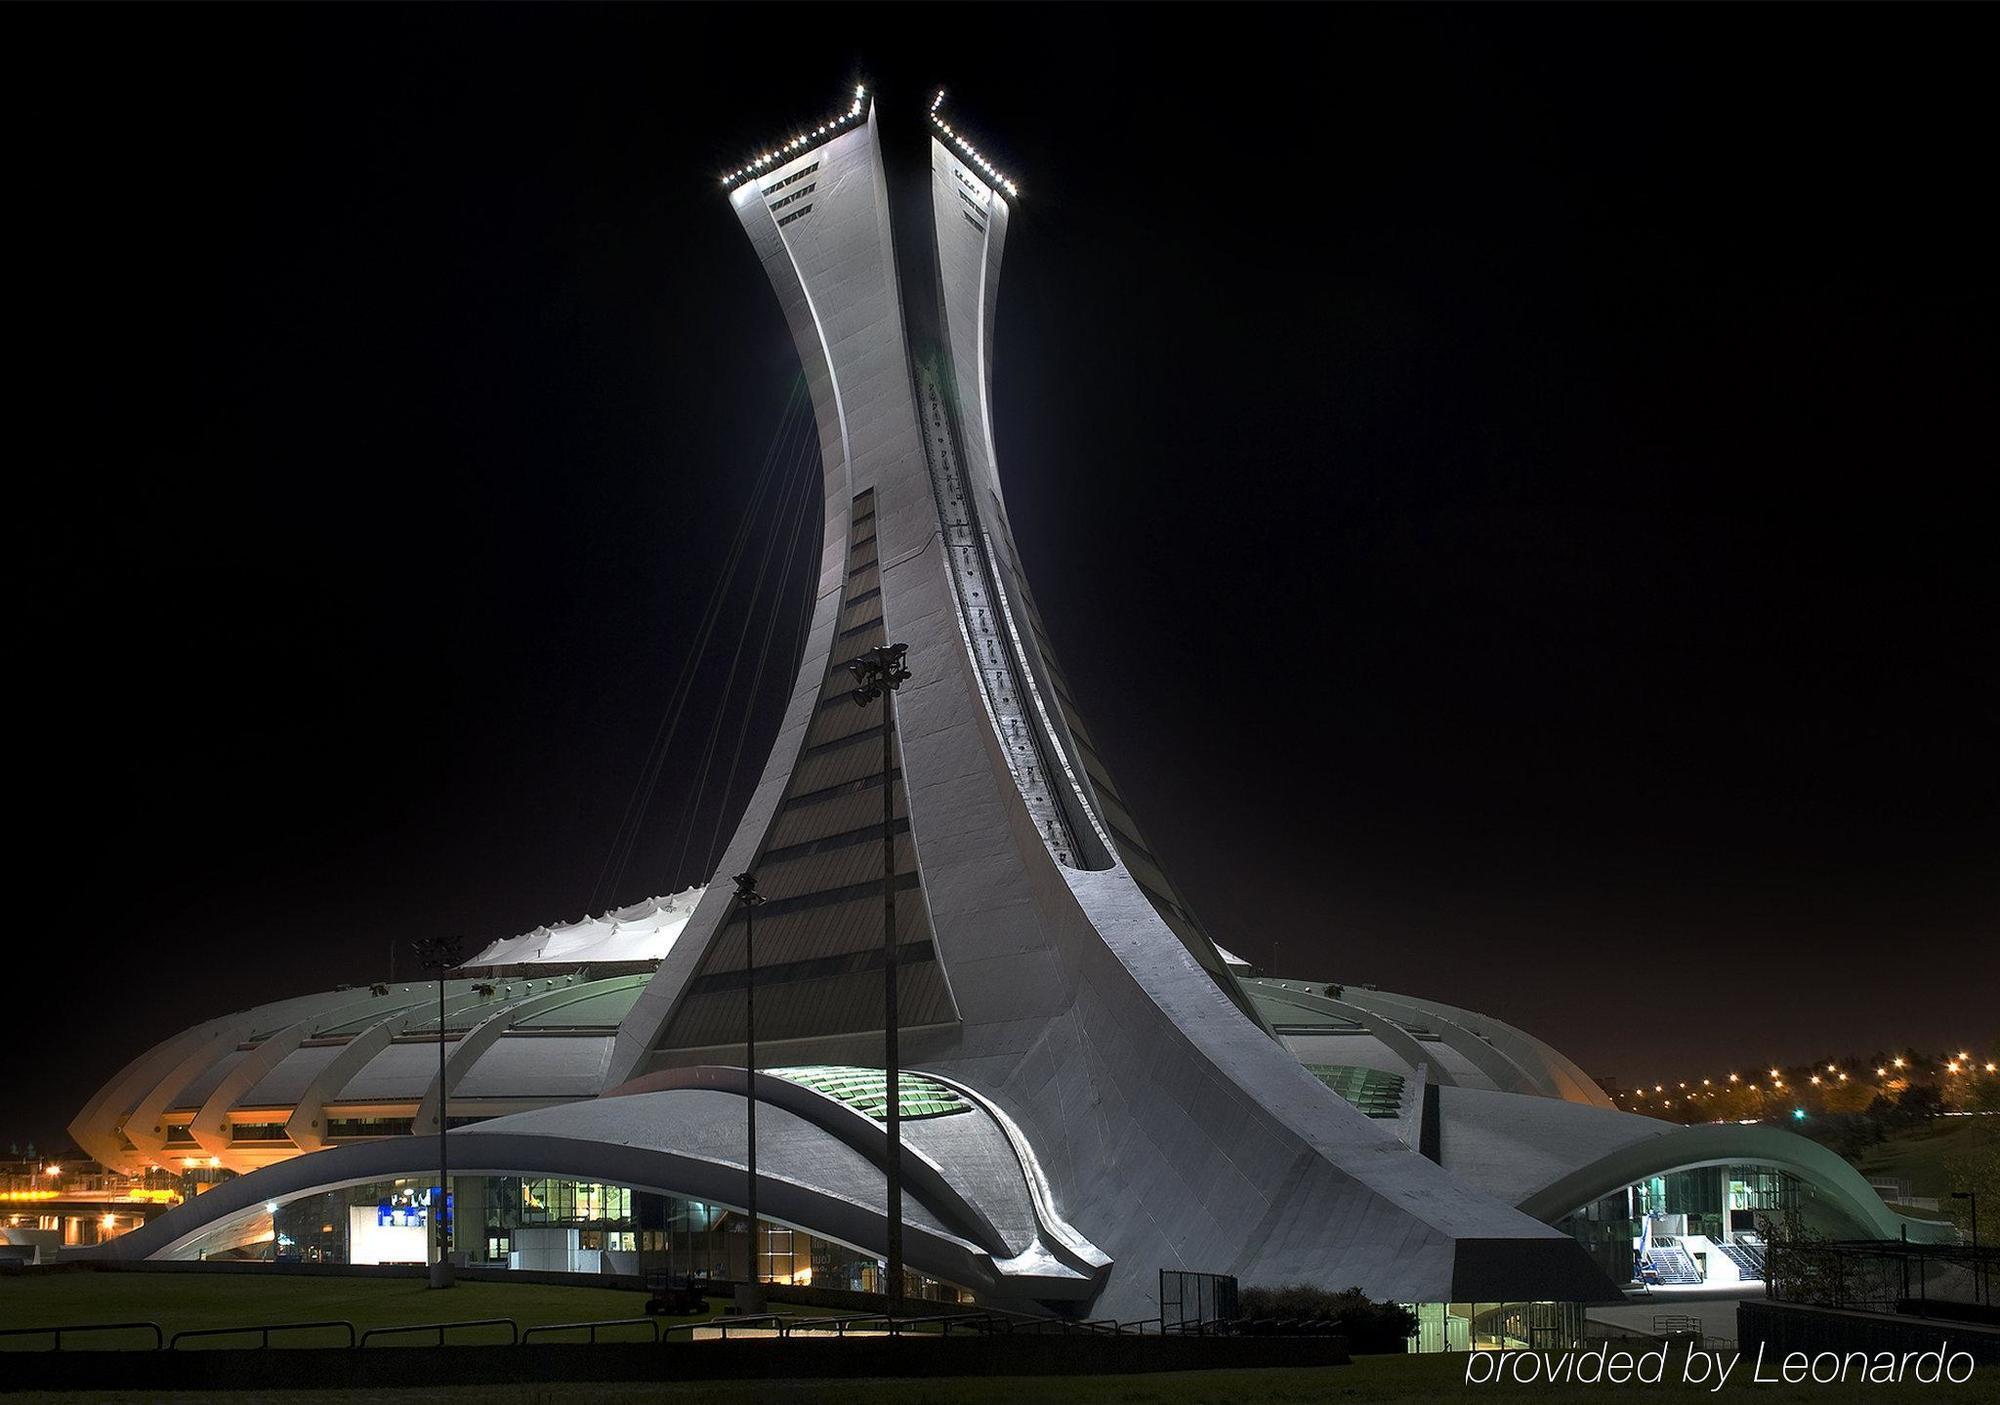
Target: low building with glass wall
x=547 y=1224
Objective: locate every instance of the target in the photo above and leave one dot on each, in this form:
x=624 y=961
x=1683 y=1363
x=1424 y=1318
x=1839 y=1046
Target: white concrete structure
x=1136 y=1104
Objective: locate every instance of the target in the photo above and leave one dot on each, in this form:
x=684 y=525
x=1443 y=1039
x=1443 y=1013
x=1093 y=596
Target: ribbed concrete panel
x=195 y=1092
x=1358 y=1050
x=537 y=1066
x=820 y=1008
x=1552 y=1070
x=286 y=1083
x=400 y=1072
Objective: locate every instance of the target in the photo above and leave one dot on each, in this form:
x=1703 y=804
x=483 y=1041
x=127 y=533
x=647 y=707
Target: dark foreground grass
x=180 y=1301
x=1426 y=1379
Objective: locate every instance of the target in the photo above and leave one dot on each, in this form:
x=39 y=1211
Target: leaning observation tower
x=1090 y=1091
x=1047 y=964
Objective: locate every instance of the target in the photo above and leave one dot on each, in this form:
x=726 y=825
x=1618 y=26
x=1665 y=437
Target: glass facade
x=1375 y=1092
x=550 y=1223
x=1706 y=1213
x=1496 y=1326
x=866 y=1090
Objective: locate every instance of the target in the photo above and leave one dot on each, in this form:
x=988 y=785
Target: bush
x=1368 y=1326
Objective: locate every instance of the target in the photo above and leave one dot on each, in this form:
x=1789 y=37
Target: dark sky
x=1509 y=486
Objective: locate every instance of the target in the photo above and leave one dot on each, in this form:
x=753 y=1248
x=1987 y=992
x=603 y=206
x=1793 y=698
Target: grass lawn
x=178 y=1301
x=1425 y=1379
x=1918 y=1154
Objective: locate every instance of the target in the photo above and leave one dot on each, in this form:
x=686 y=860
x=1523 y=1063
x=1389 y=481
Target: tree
x=1920 y=1102
x=1368 y=1326
x=1975 y=1168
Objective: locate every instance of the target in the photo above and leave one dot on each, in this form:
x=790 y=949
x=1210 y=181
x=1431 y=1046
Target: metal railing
x=1922 y=1280
x=513 y=1329
x=651 y=1324
x=874 y=1324
x=263 y=1330
x=723 y=1324
x=159 y=1339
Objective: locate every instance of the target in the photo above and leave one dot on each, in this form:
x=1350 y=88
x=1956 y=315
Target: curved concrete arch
x=1551 y=1069
x=1394 y=1037
x=1057 y=1246
x=306 y=1125
x=925 y=1178
x=1688 y=1148
x=96 y=1128
x=1062 y=1237
x=1507 y=1075
x=210 y=1127
x=820 y=1210
x=139 y=1093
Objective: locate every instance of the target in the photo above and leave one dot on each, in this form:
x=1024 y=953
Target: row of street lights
x=1897 y=1067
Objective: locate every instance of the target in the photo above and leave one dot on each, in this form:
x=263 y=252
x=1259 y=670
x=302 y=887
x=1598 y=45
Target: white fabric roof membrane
x=643 y=932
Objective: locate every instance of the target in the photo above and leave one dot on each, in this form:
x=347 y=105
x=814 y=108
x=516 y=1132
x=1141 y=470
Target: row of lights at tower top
x=803 y=140
x=1833 y=1077
x=965 y=146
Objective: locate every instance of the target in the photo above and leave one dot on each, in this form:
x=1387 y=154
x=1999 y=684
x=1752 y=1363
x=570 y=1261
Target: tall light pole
x=1979 y=1284
x=440 y=954
x=877 y=674
x=750 y=1298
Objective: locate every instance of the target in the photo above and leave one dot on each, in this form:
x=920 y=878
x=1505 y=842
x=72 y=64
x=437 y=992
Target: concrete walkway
x=1714 y=1308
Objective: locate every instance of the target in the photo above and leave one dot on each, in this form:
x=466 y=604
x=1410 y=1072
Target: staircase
x=1673 y=1265
x=1748 y=1258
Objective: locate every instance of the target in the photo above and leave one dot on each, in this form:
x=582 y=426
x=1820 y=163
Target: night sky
x=1509 y=487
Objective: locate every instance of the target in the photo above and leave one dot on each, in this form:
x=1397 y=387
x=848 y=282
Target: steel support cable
x=611 y=873
x=691 y=811
x=693 y=796
x=649 y=782
x=803 y=490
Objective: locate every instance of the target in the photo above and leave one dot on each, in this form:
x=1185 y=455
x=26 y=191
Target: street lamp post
x=440 y=954
x=750 y=1297
x=1983 y=1289
x=877 y=674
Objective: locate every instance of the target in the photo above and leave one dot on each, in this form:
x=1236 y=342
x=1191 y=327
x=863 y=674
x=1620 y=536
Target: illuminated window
x=866 y=1090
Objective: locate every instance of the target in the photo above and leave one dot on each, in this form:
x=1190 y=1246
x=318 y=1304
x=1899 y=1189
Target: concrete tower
x=1047 y=962
x=1096 y=1097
